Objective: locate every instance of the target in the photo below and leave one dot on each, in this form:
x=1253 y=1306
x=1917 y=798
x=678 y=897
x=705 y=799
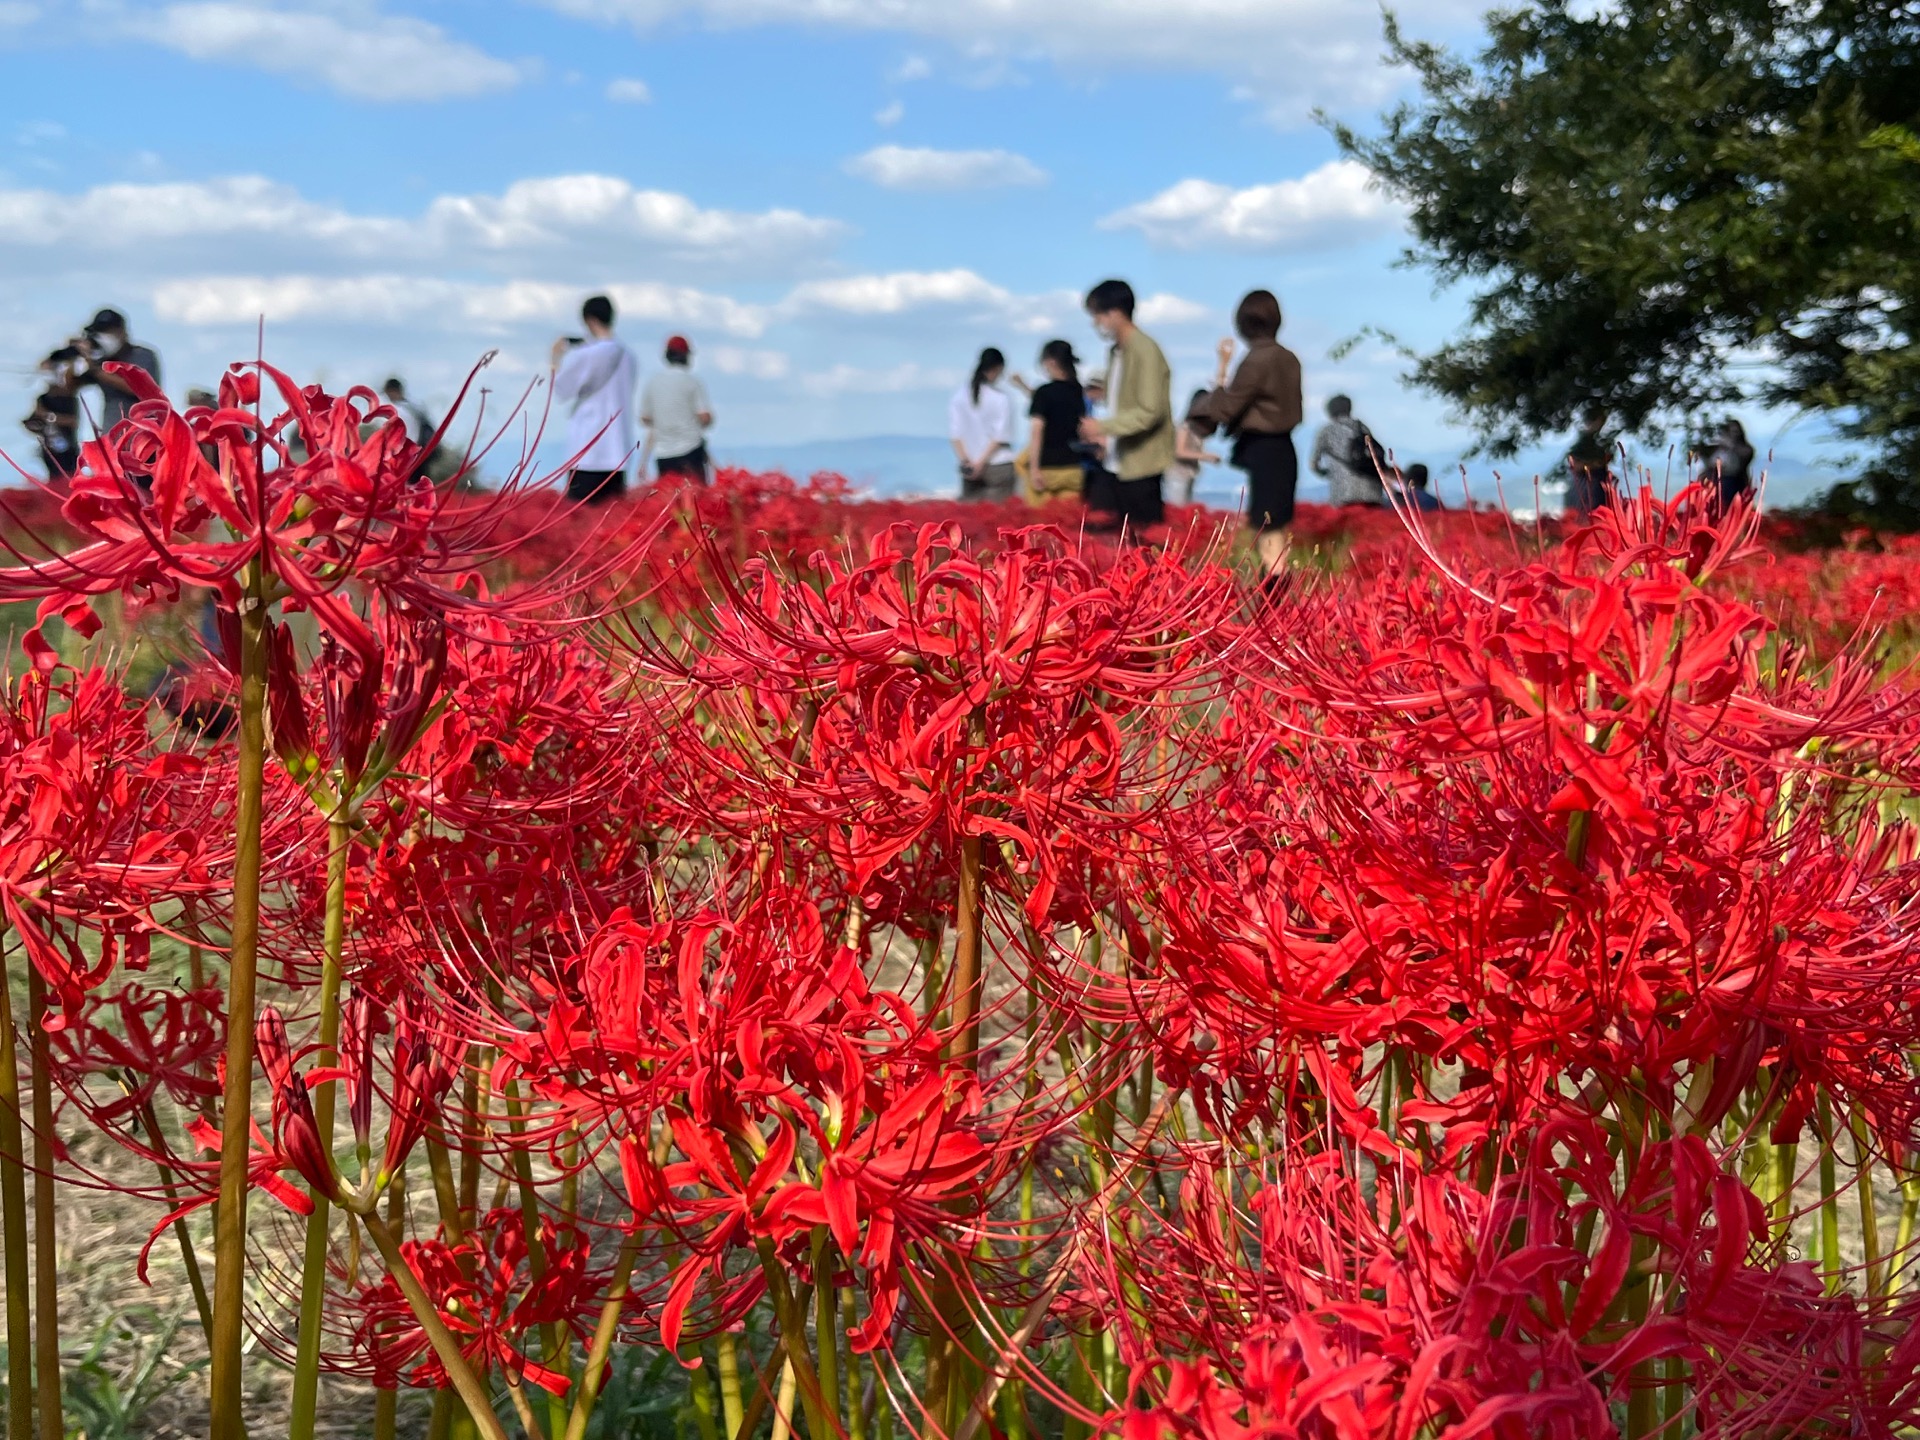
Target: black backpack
x=1365 y=455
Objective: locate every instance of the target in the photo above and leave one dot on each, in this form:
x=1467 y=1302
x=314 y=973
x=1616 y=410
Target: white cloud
x=754 y=364
x=1287 y=52
x=1164 y=309
x=18 y=13
x=443 y=305
x=890 y=115
x=542 y=213
x=365 y=54
x=914 y=67
x=896 y=293
x=627 y=91
x=1334 y=204
x=900 y=167
x=899 y=379
x=581 y=215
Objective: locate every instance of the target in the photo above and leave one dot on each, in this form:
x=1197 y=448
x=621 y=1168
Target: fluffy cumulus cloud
x=898 y=292
x=366 y=54
x=441 y=305
x=546 y=217
x=1289 y=53
x=1336 y=204
x=902 y=167
x=1167 y=310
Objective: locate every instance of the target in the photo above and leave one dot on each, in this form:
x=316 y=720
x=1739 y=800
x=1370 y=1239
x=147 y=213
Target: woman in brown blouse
x=1258 y=408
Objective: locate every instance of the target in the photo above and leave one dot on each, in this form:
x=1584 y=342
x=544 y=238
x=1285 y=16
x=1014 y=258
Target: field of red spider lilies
x=747 y=961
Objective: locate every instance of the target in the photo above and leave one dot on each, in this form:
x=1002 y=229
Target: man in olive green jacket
x=1139 y=417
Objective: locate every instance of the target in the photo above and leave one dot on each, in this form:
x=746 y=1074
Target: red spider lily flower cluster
x=897 y=970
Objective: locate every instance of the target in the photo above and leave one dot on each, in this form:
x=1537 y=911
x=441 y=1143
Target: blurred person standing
x=1347 y=456
x=105 y=342
x=1589 y=464
x=596 y=375
x=1054 y=417
x=1259 y=408
x=980 y=425
x=420 y=426
x=1190 y=451
x=1728 y=466
x=441 y=462
x=676 y=411
x=55 y=424
x=1139 y=418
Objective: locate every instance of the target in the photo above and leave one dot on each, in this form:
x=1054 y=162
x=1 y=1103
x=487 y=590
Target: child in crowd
x=1189 y=452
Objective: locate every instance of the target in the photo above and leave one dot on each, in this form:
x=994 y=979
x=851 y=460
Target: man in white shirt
x=596 y=376
x=676 y=411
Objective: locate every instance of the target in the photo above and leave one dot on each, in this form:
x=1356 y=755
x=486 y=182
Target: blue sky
x=840 y=201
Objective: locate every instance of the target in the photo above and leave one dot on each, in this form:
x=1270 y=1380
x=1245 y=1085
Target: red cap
x=677 y=345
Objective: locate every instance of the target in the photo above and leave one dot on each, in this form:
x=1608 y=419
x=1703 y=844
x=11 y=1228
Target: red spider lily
x=423 y=1064
x=97 y=826
x=296 y=1133
x=484 y=1290
x=153 y=1039
x=930 y=693
x=325 y=499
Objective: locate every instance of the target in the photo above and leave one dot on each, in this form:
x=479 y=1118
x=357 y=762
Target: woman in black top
x=1058 y=408
x=1729 y=465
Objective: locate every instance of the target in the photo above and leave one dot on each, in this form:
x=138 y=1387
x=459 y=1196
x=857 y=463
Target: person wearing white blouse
x=980 y=425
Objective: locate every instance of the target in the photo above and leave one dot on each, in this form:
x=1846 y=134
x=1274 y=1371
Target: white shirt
x=984 y=427
x=597 y=379
x=672 y=403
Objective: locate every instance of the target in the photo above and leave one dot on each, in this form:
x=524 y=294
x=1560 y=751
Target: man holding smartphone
x=596 y=376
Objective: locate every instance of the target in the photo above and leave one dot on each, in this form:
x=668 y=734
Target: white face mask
x=107 y=343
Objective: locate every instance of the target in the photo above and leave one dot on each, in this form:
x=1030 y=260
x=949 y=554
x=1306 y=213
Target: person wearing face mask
x=105 y=342
x=1139 y=419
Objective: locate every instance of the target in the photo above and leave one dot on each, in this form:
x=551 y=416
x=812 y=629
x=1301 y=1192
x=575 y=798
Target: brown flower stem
x=313 y=1270
x=236 y=1115
x=46 y=1259
x=444 y=1193
x=13 y=1228
x=445 y=1347
x=966 y=956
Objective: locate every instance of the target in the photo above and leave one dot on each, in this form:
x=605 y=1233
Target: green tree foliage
x=1671 y=205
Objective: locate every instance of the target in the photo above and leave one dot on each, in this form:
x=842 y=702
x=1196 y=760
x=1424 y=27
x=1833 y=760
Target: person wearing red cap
x=676 y=411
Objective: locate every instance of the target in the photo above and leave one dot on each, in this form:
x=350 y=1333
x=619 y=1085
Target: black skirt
x=1272 y=466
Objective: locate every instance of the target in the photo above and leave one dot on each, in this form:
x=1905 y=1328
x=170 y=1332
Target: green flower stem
x=727 y=1363
x=13 y=1226
x=313 y=1270
x=445 y=1347
x=46 y=1259
x=202 y=1304
x=236 y=1115
x=603 y=1335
